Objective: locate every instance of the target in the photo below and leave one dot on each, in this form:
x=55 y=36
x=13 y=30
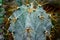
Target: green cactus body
x=0 y=2
x=1 y=15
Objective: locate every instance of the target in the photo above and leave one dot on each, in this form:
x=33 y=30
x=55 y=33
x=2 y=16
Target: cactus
x=1 y=23
x=1 y=15
x=0 y=2
x=30 y=25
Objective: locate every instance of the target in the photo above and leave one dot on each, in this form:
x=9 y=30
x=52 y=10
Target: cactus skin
x=29 y=26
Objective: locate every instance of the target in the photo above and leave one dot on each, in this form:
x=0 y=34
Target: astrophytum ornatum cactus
x=29 y=26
